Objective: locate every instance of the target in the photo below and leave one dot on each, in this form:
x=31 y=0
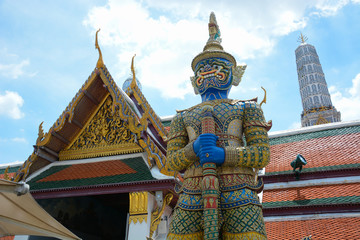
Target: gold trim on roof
x=149 y=116
x=100 y=151
x=141 y=100
x=23 y=171
x=68 y=113
x=153 y=153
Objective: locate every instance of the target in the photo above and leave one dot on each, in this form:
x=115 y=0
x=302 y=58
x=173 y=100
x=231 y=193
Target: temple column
x=148 y=215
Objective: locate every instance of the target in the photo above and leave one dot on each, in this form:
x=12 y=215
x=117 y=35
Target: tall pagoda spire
x=315 y=96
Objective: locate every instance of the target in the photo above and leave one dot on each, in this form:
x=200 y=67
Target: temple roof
x=325 y=148
x=10 y=171
x=328 y=228
x=105 y=175
x=325 y=201
x=91 y=173
x=101 y=120
x=311 y=199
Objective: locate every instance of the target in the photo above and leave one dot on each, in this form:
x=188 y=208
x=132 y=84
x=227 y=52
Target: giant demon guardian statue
x=218 y=198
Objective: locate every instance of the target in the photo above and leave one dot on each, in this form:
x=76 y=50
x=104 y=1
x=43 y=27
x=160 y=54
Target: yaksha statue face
x=215 y=73
x=215 y=70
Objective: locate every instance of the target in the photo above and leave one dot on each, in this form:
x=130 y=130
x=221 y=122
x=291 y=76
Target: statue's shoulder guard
x=254 y=115
x=177 y=128
x=244 y=102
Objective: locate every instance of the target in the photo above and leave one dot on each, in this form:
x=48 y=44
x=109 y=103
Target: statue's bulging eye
x=199 y=81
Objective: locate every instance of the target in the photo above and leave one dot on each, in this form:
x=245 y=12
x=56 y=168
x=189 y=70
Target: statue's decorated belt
x=197 y=171
x=228 y=199
x=227 y=183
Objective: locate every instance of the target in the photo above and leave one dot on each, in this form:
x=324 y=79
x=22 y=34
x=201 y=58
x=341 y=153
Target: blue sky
x=47 y=52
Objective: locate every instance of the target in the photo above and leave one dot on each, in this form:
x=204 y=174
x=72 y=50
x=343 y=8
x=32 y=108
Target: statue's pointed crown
x=213 y=46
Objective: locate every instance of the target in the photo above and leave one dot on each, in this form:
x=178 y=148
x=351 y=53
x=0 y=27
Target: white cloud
x=349 y=102
x=15 y=139
x=329 y=8
x=13 y=70
x=10 y=104
x=166 y=35
x=19 y=140
x=13 y=67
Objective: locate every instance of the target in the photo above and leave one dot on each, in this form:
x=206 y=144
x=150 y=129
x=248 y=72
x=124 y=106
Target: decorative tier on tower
x=315 y=97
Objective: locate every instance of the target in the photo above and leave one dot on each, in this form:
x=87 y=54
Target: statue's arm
x=256 y=153
x=180 y=153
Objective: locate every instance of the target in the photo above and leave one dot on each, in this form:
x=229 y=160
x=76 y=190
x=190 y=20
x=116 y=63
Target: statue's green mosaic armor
x=241 y=216
x=219 y=144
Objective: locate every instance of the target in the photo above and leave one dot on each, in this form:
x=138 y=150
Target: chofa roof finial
x=100 y=62
x=133 y=82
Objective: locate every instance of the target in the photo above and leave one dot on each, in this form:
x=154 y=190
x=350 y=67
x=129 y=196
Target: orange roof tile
x=7 y=238
x=333 y=228
x=318 y=152
x=90 y=170
x=312 y=192
x=10 y=175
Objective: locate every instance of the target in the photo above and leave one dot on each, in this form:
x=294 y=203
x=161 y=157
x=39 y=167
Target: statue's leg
x=186 y=225
x=245 y=222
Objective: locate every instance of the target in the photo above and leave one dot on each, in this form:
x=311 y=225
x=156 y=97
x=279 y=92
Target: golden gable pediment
x=104 y=134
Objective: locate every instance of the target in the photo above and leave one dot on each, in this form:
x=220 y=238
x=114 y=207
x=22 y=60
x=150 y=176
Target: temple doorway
x=90 y=217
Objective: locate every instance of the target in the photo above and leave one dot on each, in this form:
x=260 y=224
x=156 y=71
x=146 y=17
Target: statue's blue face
x=214 y=74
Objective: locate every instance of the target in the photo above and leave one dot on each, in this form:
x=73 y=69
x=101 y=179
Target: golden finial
x=264 y=100
x=100 y=62
x=302 y=38
x=133 y=82
x=40 y=133
x=6 y=176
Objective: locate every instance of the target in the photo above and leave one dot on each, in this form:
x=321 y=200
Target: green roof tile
x=166 y=123
x=138 y=164
x=312 y=202
x=317 y=169
x=11 y=169
x=312 y=135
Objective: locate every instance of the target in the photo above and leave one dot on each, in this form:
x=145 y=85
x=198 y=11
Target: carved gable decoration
x=104 y=134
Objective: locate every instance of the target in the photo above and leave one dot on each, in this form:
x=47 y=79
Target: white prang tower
x=315 y=96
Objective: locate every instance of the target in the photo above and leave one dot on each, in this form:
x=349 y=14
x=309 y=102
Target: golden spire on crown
x=213 y=46
x=213 y=49
x=214 y=33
